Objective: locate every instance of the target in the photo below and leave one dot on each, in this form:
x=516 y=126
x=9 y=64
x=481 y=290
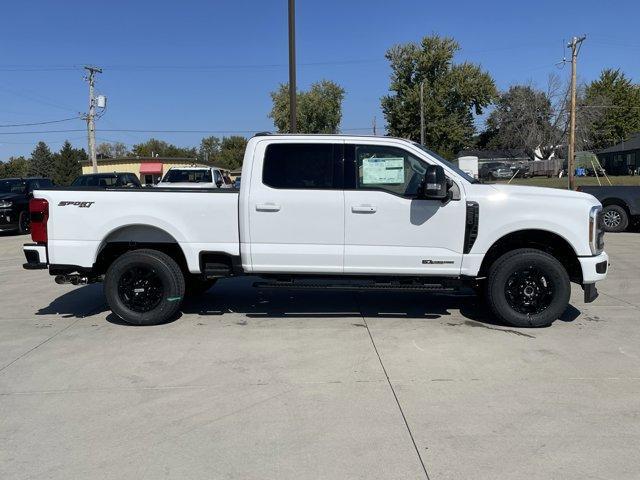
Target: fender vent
x=471 y=227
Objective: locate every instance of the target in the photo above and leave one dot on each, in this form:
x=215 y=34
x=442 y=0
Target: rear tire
x=528 y=288
x=615 y=218
x=144 y=287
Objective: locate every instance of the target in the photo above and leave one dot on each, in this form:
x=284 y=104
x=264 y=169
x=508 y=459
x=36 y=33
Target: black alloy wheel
x=140 y=288
x=144 y=287
x=528 y=290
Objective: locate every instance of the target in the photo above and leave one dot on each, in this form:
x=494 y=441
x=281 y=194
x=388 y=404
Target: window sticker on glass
x=389 y=171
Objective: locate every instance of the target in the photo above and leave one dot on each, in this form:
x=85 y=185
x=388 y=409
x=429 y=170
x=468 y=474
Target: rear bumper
x=36 y=256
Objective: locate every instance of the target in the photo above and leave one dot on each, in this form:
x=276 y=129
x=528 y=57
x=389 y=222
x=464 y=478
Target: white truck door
x=296 y=208
x=388 y=230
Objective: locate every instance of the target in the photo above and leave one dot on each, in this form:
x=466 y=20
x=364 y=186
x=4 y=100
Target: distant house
x=623 y=158
x=149 y=169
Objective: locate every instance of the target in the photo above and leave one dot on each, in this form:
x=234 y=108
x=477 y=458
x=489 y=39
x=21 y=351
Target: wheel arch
x=543 y=240
x=616 y=201
x=135 y=237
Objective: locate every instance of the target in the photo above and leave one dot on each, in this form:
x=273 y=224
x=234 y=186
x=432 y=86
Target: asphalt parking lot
x=317 y=385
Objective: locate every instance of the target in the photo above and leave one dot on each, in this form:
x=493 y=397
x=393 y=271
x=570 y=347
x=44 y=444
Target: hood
x=546 y=192
x=10 y=196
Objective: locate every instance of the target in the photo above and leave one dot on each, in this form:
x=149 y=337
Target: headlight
x=5 y=204
x=596 y=230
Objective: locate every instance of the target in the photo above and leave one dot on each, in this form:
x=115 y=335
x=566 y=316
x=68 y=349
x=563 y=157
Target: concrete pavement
x=318 y=385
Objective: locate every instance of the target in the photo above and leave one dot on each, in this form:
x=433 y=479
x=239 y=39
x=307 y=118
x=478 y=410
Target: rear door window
x=303 y=166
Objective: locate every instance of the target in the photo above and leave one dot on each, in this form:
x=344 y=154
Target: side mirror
x=218 y=183
x=434 y=184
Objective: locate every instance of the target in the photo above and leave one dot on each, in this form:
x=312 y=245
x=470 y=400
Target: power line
x=40 y=123
x=35 y=98
x=128 y=130
x=204 y=67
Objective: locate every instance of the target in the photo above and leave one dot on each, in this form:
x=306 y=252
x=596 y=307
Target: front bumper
x=594 y=269
x=8 y=220
x=36 y=256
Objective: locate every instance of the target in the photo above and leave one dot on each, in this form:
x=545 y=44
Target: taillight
x=39 y=211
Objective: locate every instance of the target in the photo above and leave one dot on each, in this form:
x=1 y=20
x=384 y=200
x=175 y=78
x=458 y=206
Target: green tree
x=14 y=167
x=113 y=150
x=209 y=149
x=619 y=99
x=67 y=164
x=154 y=147
x=318 y=111
x=525 y=118
x=453 y=93
x=41 y=162
x=231 y=152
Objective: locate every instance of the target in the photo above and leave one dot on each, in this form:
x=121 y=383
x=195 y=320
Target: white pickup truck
x=326 y=211
x=194 y=176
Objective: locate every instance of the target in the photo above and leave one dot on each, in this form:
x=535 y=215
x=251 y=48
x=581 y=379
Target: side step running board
x=395 y=287
x=216 y=270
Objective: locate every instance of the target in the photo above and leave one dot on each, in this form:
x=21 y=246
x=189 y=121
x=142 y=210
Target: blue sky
x=210 y=65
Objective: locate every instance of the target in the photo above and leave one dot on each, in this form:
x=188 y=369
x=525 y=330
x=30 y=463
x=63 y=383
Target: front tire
x=528 y=288
x=615 y=218
x=144 y=287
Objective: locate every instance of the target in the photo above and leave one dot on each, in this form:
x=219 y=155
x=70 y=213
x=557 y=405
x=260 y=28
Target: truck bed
x=82 y=220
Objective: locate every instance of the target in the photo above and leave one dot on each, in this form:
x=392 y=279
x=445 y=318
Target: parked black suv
x=14 y=201
x=115 y=179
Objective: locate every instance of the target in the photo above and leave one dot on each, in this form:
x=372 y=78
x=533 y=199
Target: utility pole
x=374 y=126
x=422 y=113
x=292 y=66
x=574 y=44
x=91 y=127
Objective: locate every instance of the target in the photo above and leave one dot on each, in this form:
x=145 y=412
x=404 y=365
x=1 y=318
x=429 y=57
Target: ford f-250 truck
x=330 y=212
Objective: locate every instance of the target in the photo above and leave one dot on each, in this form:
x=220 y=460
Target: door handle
x=363 y=208
x=267 y=207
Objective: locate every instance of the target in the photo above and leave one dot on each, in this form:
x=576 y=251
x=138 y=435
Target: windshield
x=12 y=186
x=188 y=176
x=447 y=163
